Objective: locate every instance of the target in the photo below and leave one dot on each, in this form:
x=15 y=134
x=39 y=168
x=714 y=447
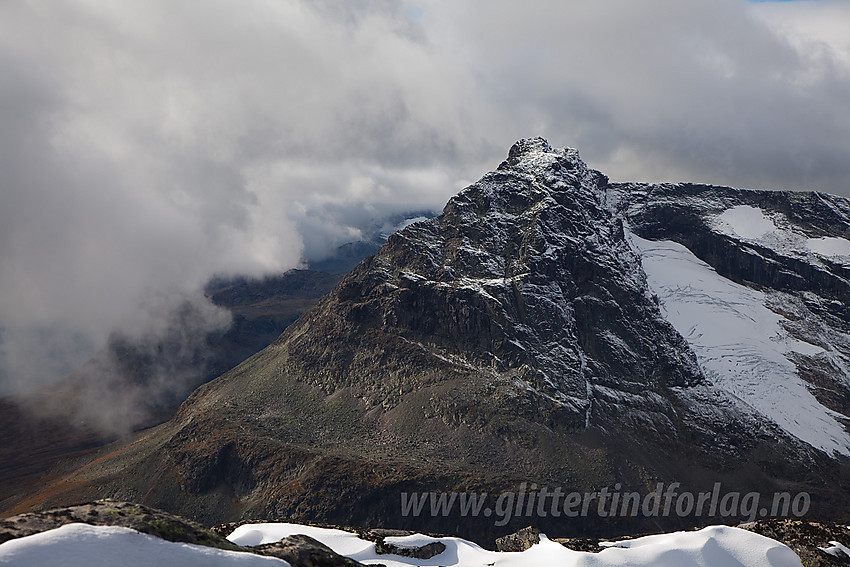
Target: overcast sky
x=149 y=144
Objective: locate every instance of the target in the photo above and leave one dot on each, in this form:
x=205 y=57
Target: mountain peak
x=557 y=168
x=531 y=145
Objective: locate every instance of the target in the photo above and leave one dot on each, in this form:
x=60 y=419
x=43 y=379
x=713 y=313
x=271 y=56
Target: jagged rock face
x=525 y=278
x=527 y=333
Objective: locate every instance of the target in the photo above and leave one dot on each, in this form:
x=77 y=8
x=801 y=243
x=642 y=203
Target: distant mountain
x=549 y=327
x=135 y=383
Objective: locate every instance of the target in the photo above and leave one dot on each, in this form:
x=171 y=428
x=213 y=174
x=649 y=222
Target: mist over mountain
x=247 y=273
x=139 y=379
x=146 y=150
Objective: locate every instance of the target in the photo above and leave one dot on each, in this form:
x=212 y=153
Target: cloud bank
x=147 y=145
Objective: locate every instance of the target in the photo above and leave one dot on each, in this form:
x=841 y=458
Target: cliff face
x=538 y=330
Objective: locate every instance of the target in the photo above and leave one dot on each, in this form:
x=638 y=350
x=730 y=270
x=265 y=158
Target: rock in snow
x=82 y=545
x=714 y=546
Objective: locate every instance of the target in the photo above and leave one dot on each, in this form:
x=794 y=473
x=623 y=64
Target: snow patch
x=747 y=222
x=829 y=246
x=837 y=549
x=775 y=232
x=411 y=541
x=82 y=545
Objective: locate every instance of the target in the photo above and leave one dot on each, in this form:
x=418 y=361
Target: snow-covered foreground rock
x=716 y=546
x=82 y=545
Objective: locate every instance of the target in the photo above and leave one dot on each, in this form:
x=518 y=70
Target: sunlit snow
x=716 y=546
x=747 y=222
x=82 y=545
x=829 y=246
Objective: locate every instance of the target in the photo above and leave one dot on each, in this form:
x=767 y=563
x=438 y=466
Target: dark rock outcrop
x=519 y=541
x=303 y=551
x=426 y=551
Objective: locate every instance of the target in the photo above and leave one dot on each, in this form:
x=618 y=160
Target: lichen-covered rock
x=114 y=513
x=519 y=541
x=426 y=551
x=808 y=539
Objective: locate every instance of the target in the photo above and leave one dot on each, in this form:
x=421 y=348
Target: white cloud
x=148 y=144
x=811 y=26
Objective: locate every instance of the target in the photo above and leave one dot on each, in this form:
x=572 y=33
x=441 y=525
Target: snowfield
x=776 y=232
x=740 y=344
x=82 y=545
x=830 y=246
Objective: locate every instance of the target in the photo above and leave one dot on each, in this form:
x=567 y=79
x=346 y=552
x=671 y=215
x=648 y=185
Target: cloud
x=709 y=91
x=148 y=145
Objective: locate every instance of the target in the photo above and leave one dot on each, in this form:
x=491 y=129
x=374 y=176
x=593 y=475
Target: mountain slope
x=514 y=338
x=138 y=383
